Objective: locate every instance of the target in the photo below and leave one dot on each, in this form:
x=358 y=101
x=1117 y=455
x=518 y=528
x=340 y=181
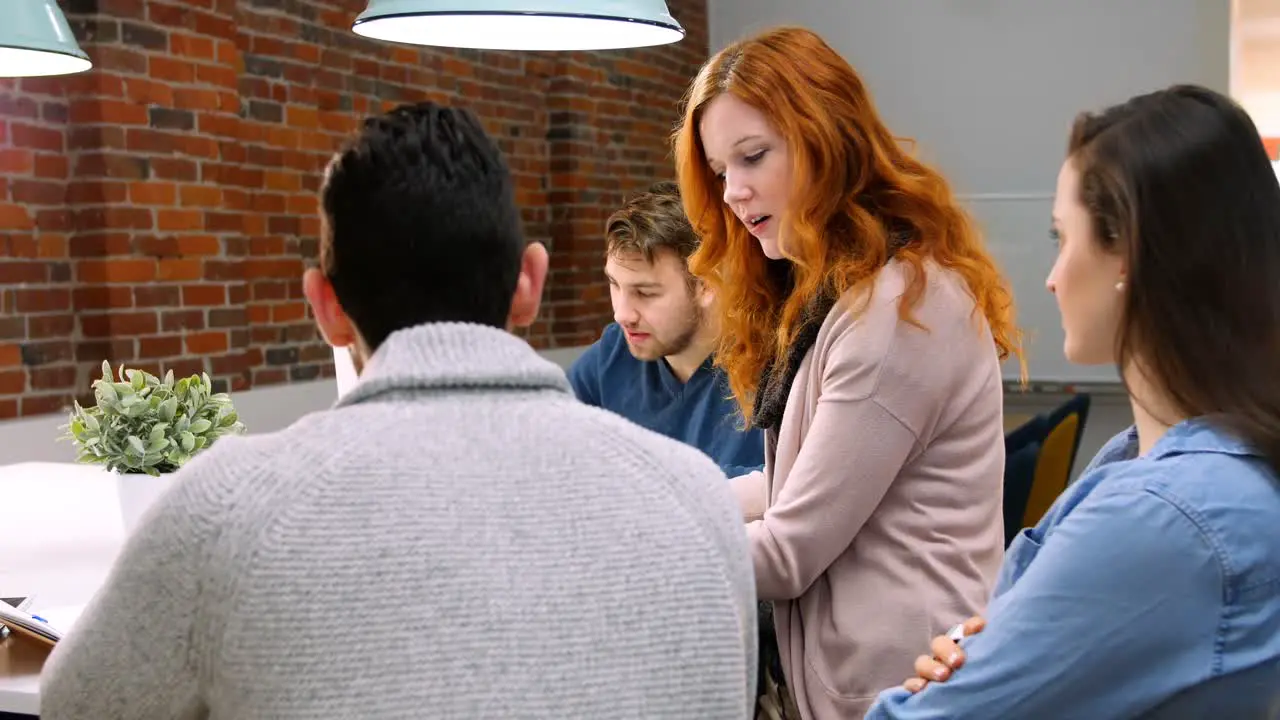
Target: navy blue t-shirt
x=700 y=412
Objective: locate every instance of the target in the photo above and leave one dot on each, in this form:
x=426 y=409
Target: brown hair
x=649 y=221
x=854 y=184
x=1179 y=182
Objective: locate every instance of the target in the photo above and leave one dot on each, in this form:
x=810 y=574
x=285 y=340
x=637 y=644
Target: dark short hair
x=1180 y=183
x=422 y=223
x=651 y=220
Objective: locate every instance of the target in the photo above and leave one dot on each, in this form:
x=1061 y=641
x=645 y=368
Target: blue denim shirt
x=1148 y=576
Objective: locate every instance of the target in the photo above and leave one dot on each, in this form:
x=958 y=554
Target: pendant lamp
x=35 y=40
x=521 y=24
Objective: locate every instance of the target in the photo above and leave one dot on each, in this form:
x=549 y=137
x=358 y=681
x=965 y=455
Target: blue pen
x=37 y=617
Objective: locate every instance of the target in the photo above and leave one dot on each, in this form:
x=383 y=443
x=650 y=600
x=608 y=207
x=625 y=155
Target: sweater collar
x=455 y=355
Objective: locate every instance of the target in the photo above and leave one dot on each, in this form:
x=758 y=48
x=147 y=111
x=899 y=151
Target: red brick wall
x=159 y=209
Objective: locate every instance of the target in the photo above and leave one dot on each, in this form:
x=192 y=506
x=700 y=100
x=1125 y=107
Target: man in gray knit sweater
x=458 y=537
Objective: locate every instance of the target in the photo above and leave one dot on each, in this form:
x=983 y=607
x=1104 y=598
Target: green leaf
x=91 y=422
x=168 y=409
x=229 y=419
x=157 y=431
x=135 y=443
x=201 y=425
x=105 y=392
x=106 y=371
x=168 y=378
x=188 y=441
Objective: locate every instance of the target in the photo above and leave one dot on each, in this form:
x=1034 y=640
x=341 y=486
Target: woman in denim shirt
x=1152 y=587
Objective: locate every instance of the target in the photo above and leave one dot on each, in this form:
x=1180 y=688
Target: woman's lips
x=759 y=227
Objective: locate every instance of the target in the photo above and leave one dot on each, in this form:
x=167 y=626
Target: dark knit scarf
x=775 y=380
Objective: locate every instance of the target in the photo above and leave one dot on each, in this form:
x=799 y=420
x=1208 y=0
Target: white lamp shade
x=521 y=24
x=35 y=40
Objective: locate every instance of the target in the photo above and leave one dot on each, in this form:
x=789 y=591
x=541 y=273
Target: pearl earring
x=1120 y=286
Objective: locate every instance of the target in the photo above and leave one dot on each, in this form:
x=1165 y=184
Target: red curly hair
x=853 y=182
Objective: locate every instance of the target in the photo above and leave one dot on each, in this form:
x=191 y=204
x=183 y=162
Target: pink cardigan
x=876 y=523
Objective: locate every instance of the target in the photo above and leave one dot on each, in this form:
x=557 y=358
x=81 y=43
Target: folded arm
x=1119 y=610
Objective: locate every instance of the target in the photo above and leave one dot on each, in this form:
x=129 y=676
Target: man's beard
x=682 y=341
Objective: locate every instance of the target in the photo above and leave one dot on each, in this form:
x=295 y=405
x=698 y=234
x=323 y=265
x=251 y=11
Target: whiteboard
x=1016 y=229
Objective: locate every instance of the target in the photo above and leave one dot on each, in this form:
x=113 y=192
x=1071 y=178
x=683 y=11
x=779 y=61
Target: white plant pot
x=138 y=492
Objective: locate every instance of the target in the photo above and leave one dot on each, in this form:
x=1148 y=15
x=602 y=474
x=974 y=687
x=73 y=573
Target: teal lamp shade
x=35 y=40
x=521 y=24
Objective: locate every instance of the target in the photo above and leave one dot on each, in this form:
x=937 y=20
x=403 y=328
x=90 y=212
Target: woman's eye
x=754 y=157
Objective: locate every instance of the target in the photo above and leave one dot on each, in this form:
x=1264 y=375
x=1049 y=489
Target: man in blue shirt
x=653 y=364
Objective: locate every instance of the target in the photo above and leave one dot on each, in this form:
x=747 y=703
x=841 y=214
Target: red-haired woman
x=863 y=326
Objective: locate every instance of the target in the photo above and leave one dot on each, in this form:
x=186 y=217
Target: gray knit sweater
x=456 y=538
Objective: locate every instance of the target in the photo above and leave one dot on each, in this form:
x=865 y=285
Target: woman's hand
x=947 y=657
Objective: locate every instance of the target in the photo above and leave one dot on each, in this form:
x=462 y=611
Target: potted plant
x=143 y=428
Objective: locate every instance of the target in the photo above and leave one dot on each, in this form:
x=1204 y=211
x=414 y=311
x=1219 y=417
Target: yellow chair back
x=1053 y=469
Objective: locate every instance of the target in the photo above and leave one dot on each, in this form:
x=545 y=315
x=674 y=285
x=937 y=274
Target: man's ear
x=528 y=295
x=705 y=296
x=334 y=324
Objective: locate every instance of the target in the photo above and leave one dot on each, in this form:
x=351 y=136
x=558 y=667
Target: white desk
x=60 y=533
